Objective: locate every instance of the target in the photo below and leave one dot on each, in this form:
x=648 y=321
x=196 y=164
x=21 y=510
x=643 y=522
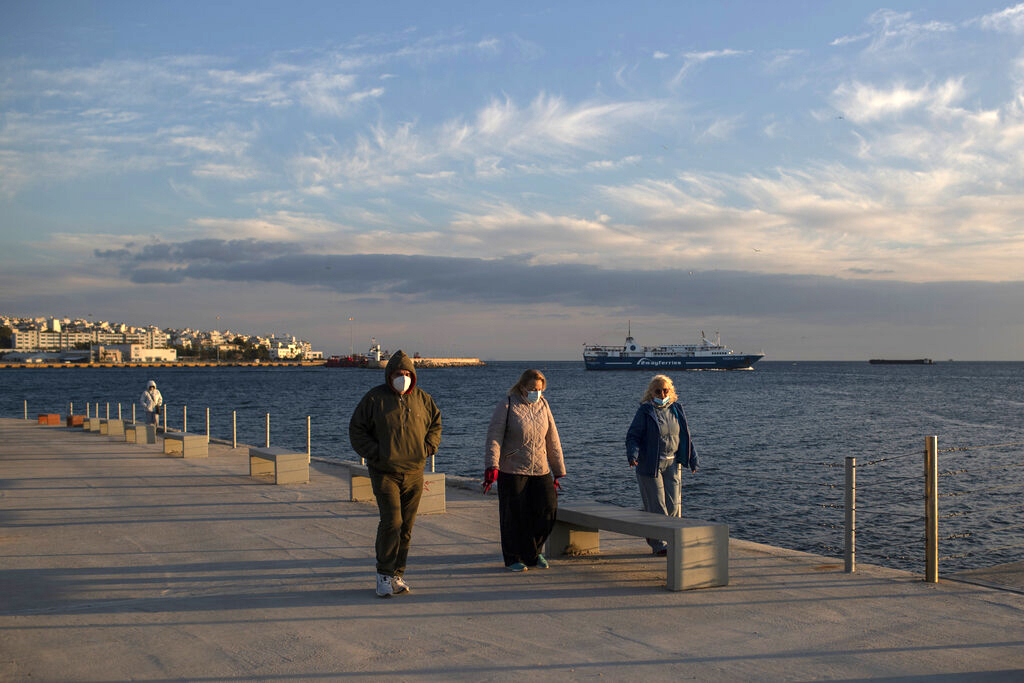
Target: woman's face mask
x=533 y=396
x=401 y=383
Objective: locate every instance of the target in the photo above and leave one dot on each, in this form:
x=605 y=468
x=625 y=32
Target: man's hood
x=399 y=361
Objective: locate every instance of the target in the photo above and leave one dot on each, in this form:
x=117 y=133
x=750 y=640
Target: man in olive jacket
x=395 y=427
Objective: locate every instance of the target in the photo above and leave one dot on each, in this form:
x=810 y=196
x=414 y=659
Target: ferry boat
x=704 y=356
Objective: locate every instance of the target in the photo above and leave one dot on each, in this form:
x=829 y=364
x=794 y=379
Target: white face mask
x=401 y=383
x=533 y=396
x=660 y=401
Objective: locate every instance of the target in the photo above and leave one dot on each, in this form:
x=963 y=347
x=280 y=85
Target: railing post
x=931 y=509
x=26 y=410
x=234 y=430
x=184 y=418
x=108 y=410
x=118 y=410
x=432 y=461
x=268 y=430
x=850 y=546
x=71 y=407
x=133 y=413
x=207 y=424
x=309 y=454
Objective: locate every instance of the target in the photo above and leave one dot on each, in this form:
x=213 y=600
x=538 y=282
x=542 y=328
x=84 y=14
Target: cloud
x=1009 y=20
x=548 y=128
x=437 y=279
x=865 y=103
x=692 y=59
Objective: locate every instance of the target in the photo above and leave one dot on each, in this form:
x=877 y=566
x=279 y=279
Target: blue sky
x=818 y=180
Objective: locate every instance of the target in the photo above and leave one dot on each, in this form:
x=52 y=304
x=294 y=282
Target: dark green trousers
x=398 y=498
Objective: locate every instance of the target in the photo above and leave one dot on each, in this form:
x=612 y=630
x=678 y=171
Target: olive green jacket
x=392 y=432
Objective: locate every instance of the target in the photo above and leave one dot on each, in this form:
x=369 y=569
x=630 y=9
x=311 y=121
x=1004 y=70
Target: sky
x=814 y=180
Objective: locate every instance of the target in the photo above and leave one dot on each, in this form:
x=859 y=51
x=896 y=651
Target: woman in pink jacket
x=524 y=456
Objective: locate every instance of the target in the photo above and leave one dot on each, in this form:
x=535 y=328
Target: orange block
x=75 y=420
x=49 y=419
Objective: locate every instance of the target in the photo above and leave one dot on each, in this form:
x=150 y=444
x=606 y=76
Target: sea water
x=771 y=441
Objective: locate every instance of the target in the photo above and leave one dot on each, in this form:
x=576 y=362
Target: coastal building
x=289 y=348
x=49 y=340
x=136 y=353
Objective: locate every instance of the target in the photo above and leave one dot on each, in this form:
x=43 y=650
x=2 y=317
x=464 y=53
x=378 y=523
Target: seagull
x=755 y=249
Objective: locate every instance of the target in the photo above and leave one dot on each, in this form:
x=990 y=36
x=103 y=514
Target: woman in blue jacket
x=658 y=445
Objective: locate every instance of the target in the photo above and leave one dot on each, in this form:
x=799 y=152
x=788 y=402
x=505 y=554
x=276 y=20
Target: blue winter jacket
x=643 y=440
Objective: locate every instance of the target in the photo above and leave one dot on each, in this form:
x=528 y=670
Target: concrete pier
x=118 y=563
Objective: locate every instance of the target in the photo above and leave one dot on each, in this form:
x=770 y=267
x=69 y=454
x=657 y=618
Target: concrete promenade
x=118 y=563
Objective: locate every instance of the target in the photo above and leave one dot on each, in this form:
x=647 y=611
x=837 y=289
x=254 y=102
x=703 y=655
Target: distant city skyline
x=818 y=181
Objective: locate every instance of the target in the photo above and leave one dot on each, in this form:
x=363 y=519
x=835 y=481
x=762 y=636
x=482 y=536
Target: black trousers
x=526 y=509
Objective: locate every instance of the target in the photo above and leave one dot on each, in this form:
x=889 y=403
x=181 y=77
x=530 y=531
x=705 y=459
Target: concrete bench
x=75 y=420
x=94 y=425
x=282 y=465
x=185 y=445
x=49 y=419
x=140 y=433
x=698 y=552
x=432 y=501
x=114 y=428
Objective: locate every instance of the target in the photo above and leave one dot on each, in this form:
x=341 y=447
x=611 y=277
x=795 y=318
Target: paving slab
x=117 y=563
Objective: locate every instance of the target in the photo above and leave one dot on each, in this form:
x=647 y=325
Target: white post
x=234 y=431
x=931 y=509
x=850 y=550
x=207 y=424
x=71 y=407
x=118 y=410
x=133 y=413
x=87 y=415
x=26 y=410
x=108 y=410
x=184 y=418
x=309 y=454
x=268 y=430
x=432 y=461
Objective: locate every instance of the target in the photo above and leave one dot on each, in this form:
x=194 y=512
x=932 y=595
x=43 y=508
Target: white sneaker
x=384 y=587
x=399 y=585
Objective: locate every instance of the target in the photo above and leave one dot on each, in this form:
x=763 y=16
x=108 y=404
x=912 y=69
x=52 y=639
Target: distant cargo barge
x=910 y=361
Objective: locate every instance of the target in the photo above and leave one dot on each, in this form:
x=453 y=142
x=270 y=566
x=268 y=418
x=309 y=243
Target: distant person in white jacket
x=151 y=402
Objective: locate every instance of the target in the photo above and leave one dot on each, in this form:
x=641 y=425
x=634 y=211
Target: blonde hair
x=528 y=377
x=656 y=381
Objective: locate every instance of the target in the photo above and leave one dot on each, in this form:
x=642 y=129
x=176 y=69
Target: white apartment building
x=137 y=353
x=44 y=340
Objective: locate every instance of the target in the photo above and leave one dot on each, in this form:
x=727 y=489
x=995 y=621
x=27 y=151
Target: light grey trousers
x=662 y=493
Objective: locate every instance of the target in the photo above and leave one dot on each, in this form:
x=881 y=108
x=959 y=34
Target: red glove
x=490 y=476
x=558 y=487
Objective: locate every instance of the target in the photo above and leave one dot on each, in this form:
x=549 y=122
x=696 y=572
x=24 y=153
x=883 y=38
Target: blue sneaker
x=517 y=567
x=542 y=562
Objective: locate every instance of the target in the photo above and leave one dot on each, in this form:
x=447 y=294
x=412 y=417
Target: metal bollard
x=850 y=548
x=207 y=425
x=931 y=509
x=184 y=418
x=234 y=431
x=309 y=454
x=268 y=430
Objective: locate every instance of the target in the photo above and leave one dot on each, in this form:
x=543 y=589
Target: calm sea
x=772 y=441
